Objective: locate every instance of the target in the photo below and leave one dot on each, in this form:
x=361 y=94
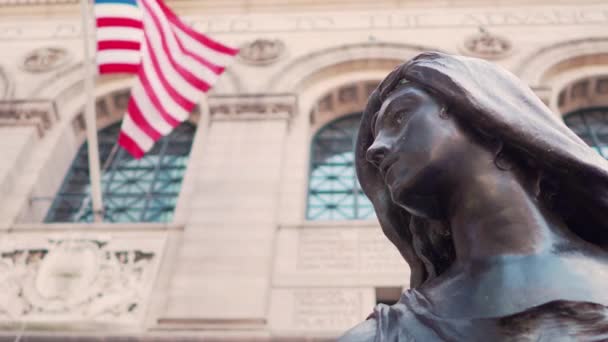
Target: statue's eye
x=399 y=118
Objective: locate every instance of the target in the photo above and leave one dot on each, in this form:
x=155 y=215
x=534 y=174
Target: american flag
x=174 y=63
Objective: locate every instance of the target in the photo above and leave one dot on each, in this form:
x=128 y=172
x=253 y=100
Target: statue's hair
x=572 y=178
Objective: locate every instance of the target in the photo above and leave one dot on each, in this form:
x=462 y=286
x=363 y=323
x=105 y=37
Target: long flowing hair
x=496 y=105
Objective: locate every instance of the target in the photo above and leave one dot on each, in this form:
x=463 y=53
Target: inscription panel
x=325 y=309
x=378 y=255
x=360 y=256
x=335 y=250
x=321 y=309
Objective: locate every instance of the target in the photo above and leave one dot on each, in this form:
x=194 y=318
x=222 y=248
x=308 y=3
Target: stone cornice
x=39 y=113
x=256 y=107
x=45 y=7
x=6 y=3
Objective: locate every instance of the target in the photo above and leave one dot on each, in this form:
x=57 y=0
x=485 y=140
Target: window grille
x=143 y=190
x=334 y=192
x=591 y=125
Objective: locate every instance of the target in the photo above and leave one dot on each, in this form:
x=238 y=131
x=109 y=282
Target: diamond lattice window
x=591 y=125
x=143 y=190
x=334 y=192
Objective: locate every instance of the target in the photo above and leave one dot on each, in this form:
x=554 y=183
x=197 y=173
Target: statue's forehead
x=404 y=90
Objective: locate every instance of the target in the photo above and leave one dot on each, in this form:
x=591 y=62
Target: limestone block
x=220 y=297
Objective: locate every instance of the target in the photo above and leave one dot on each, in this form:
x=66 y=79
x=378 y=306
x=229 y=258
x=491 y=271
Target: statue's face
x=415 y=148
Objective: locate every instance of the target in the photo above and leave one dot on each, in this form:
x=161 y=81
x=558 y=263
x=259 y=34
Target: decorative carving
x=487 y=45
x=45 y=59
x=39 y=113
x=252 y=107
x=262 y=51
x=95 y=279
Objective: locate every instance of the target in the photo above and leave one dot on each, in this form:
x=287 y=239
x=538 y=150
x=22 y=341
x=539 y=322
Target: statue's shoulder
x=407 y=321
x=395 y=323
x=362 y=332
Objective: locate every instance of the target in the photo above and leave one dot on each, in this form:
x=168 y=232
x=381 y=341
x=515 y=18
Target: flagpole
x=90 y=119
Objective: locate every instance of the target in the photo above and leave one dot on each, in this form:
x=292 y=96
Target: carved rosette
x=91 y=279
x=45 y=59
x=263 y=107
x=262 y=52
x=487 y=45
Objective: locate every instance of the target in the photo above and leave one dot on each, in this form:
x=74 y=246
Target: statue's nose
x=376 y=153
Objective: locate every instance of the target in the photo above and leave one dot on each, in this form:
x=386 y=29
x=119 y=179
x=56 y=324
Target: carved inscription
x=326 y=309
x=377 y=254
x=347 y=250
x=405 y=20
x=535 y=16
x=334 y=250
x=255 y=106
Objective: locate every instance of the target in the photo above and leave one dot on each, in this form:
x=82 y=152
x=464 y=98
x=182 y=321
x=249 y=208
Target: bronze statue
x=500 y=210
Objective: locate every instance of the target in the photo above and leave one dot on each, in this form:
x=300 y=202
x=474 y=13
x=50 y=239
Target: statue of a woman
x=499 y=209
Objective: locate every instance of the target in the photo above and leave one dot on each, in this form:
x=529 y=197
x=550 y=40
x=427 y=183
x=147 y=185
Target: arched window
x=591 y=125
x=143 y=190
x=333 y=190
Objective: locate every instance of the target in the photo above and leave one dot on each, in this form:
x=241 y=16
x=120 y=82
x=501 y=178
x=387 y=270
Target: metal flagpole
x=90 y=119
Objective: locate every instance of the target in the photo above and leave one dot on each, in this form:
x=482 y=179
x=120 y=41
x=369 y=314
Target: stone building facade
x=246 y=251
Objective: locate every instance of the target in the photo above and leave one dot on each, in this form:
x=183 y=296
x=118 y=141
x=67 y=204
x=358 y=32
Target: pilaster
x=224 y=264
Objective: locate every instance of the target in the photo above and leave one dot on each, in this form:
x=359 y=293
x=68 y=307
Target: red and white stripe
x=177 y=66
x=120 y=33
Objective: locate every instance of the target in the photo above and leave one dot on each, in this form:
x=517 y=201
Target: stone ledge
x=156 y=337
x=95 y=227
x=39 y=113
x=252 y=107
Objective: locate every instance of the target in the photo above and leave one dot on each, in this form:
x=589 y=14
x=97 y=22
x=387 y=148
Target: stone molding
x=4 y=3
x=554 y=58
x=39 y=113
x=253 y=107
x=303 y=68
